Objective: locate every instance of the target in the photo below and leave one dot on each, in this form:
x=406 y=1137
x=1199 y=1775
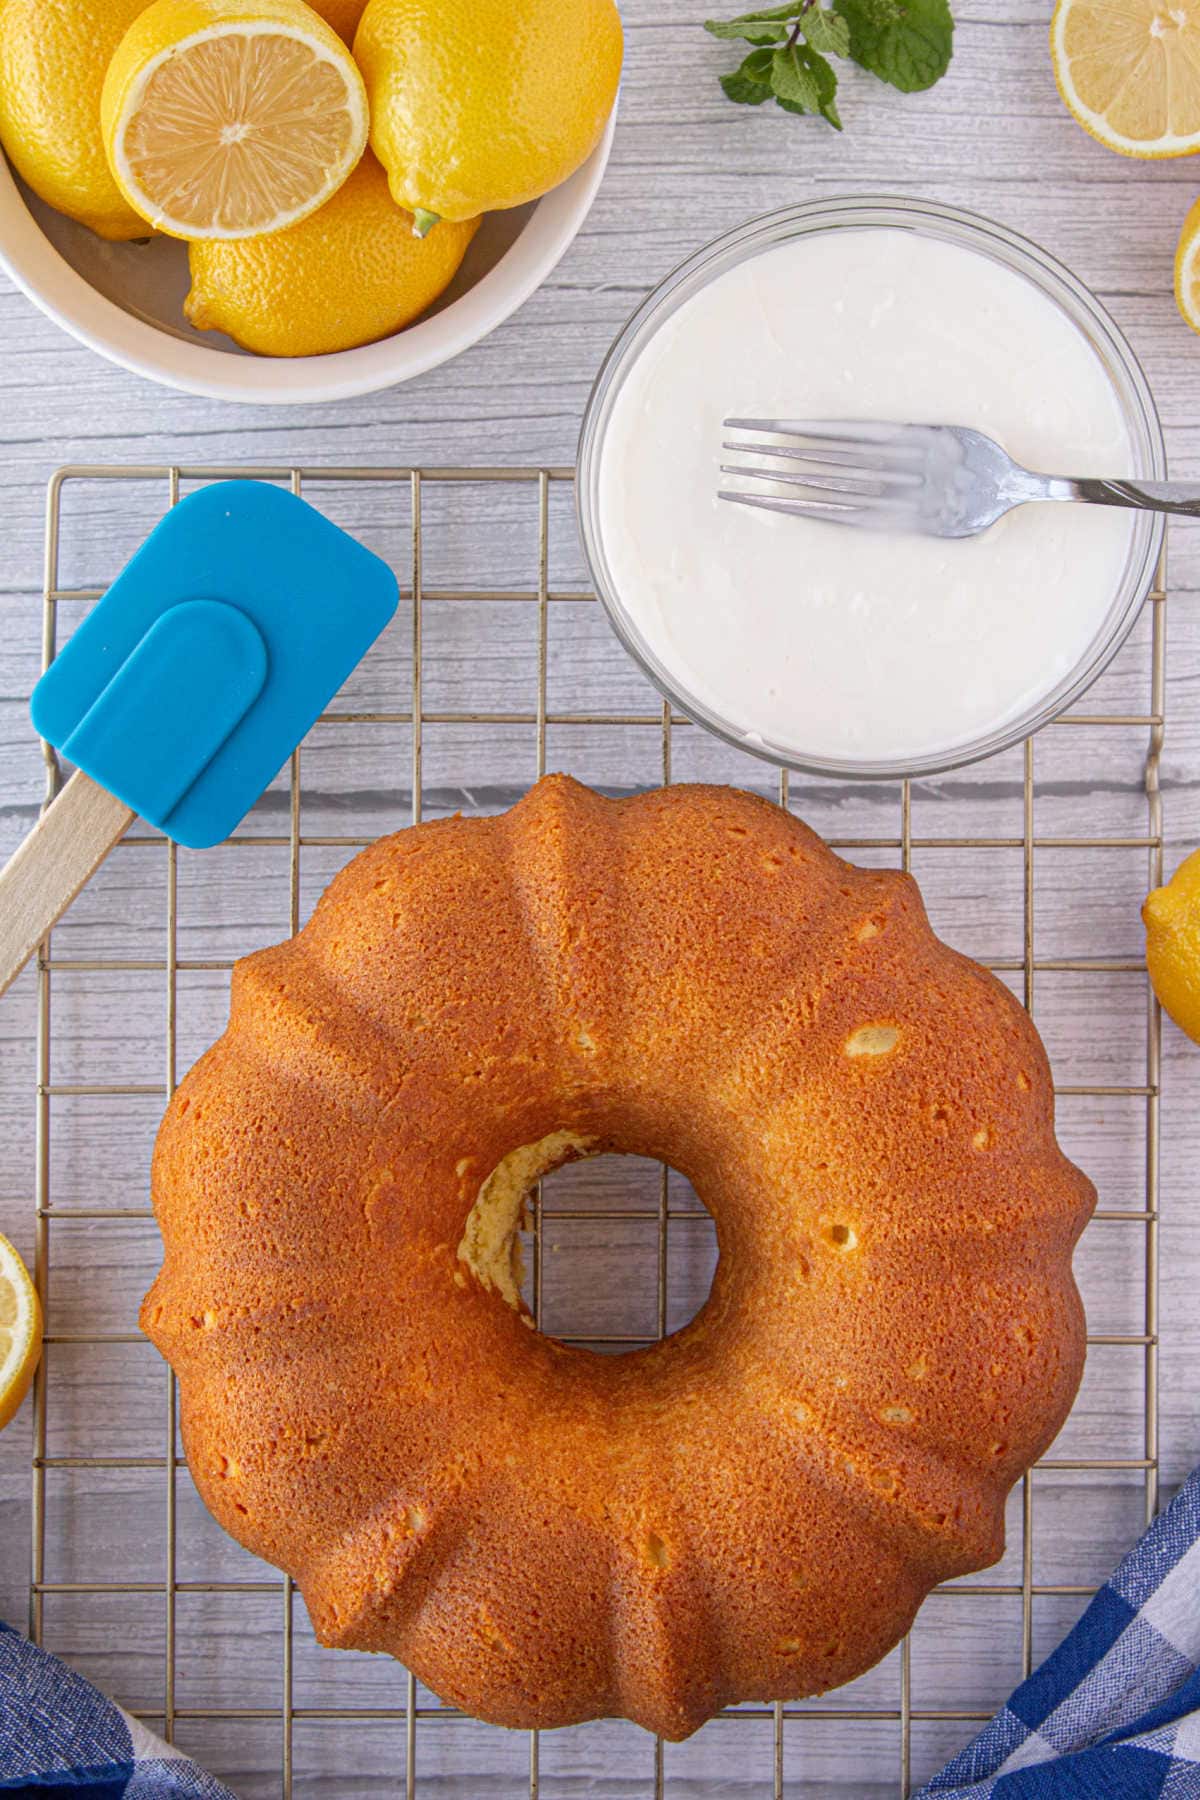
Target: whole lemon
x=348 y=274
x=478 y=105
x=1172 y=918
x=53 y=57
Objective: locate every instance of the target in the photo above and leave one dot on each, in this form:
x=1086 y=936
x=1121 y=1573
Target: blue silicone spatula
x=187 y=687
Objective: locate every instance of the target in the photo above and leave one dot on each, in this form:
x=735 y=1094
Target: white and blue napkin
x=60 y=1737
x=1114 y=1712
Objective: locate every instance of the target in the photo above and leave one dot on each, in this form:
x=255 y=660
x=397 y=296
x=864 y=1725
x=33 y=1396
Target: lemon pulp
x=20 y=1331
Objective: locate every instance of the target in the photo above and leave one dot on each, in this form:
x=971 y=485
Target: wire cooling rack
x=294 y=1725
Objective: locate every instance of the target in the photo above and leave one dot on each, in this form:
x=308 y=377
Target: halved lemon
x=231 y=118
x=1129 y=70
x=20 y=1331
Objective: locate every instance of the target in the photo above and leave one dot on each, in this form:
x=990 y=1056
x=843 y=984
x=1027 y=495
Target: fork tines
x=846 y=470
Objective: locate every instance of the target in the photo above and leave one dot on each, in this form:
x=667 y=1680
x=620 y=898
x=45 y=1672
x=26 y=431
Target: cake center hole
x=609 y=1253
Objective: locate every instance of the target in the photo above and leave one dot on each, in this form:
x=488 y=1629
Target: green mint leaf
x=758 y=66
x=751 y=84
x=905 y=42
x=744 y=92
x=740 y=88
x=755 y=31
x=823 y=87
x=792 y=79
x=826 y=31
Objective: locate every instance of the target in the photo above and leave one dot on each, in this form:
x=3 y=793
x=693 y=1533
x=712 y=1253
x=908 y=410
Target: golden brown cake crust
x=752 y=1509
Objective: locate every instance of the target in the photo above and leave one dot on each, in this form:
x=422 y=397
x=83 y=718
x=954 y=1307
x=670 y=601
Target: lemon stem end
x=424 y=222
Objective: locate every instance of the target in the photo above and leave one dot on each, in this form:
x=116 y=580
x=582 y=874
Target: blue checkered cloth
x=1114 y=1713
x=60 y=1737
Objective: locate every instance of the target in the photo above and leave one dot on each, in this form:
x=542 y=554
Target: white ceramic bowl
x=126 y=300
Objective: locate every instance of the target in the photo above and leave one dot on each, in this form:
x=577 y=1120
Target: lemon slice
x=1129 y=70
x=20 y=1331
x=1187 y=268
x=231 y=118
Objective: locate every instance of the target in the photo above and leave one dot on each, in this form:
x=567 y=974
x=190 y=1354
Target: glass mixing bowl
x=971 y=232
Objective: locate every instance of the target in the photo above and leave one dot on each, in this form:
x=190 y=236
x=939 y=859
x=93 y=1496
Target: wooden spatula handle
x=42 y=877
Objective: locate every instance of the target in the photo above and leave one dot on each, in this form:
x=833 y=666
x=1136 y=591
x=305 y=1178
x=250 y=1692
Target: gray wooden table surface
x=686 y=166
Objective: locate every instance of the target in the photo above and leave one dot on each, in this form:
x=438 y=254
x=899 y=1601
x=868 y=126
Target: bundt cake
x=751 y=1509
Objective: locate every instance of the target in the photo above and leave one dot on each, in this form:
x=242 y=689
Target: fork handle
x=1145 y=496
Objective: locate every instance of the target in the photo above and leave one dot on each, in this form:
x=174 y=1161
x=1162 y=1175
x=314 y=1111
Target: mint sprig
x=907 y=43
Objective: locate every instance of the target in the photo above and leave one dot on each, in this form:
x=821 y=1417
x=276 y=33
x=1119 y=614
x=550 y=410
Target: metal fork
x=940 y=480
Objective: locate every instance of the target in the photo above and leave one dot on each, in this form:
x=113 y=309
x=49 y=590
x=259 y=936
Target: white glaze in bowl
x=807 y=643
